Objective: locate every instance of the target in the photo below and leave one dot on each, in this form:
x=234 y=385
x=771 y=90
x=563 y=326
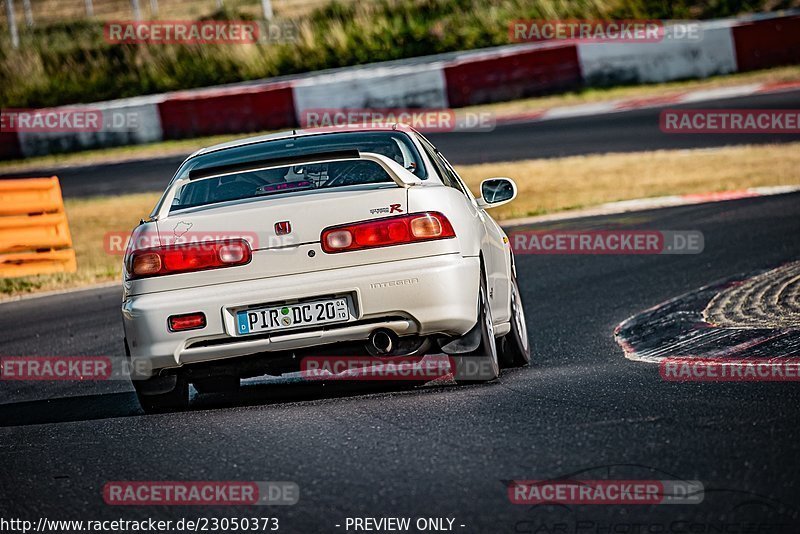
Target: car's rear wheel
x=515 y=349
x=482 y=364
x=163 y=394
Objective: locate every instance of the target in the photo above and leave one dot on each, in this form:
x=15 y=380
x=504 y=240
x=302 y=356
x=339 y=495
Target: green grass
x=70 y=62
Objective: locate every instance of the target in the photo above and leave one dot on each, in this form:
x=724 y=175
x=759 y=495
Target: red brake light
x=386 y=232
x=188 y=257
x=190 y=321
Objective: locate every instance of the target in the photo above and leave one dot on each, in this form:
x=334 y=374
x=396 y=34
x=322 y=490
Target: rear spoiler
x=399 y=174
x=273 y=162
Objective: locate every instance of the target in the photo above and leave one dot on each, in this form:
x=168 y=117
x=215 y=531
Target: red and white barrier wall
x=511 y=72
x=630 y=63
x=251 y=108
x=448 y=80
x=768 y=42
x=395 y=85
x=144 y=127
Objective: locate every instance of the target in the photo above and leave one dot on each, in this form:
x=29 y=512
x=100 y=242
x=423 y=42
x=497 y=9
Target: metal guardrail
x=34 y=231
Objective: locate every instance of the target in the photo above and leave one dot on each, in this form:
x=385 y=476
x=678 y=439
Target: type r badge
x=391 y=208
x=283 y=227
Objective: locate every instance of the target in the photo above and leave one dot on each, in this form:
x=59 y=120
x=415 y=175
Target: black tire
x=482 y=365
x=174 y=399
x=217 y=384
x=515 y=347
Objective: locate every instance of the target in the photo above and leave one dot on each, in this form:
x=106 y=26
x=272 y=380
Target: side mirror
x=496 y=192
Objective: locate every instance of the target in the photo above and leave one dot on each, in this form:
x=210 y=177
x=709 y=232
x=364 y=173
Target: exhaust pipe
x=383 y=341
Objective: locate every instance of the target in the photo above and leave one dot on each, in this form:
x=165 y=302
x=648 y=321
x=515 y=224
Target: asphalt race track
x=440 y=451
x=628 y=131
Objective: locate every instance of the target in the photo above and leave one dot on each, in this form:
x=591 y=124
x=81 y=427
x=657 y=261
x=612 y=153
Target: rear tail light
x=190 y=321
x=173 y=259
x=389 y=231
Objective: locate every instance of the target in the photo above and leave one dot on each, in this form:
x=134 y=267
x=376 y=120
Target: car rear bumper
x=420 y=296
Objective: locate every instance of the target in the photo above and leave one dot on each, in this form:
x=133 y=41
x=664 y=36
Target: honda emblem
x=283 y=227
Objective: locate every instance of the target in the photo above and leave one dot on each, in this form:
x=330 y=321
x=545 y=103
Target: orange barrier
x=34 y=232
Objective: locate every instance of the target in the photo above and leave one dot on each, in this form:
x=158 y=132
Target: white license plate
x=292 y=316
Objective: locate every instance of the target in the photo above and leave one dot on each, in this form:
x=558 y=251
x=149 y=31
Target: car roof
x=302 y=133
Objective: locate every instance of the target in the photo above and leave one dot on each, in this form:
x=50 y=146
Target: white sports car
x=320 y=242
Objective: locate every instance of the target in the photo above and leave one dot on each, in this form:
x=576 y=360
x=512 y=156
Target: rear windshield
x=266 y=182
x=394 y=145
